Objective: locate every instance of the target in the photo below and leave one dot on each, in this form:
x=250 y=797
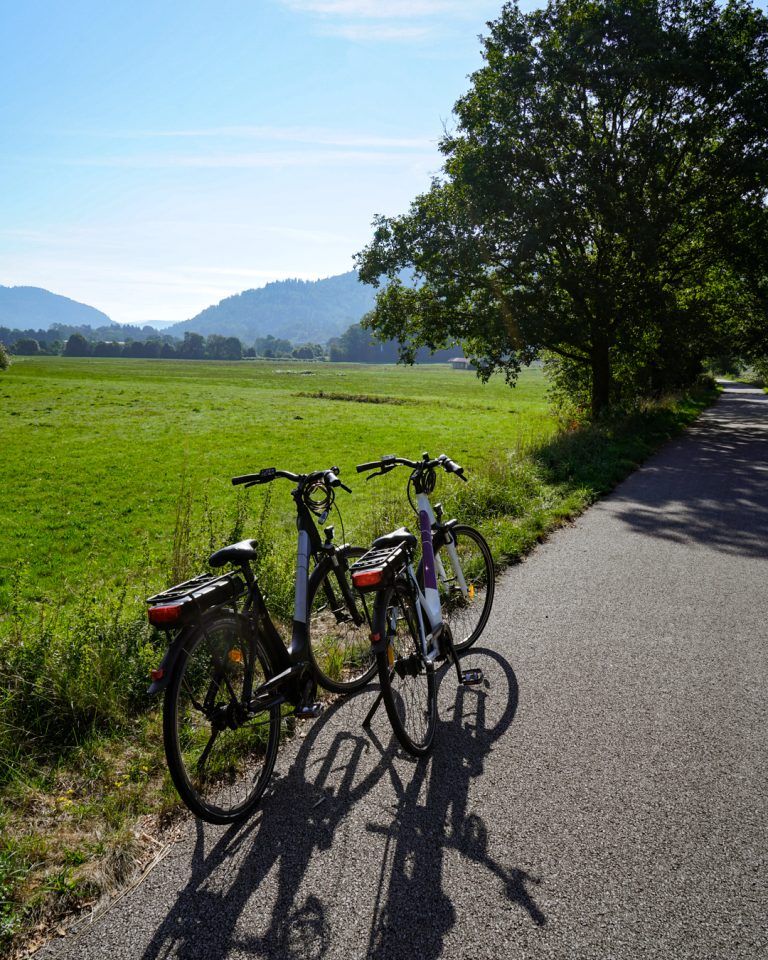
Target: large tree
x=603 y=196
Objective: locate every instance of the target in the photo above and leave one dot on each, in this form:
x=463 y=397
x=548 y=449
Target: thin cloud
x=259 y=160
x=311 y=135
x=386 y=20
x=381 y=9
x=376 y=31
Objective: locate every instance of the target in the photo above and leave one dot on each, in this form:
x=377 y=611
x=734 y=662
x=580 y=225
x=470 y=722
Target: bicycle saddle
x=237 y=553
x=395 y=538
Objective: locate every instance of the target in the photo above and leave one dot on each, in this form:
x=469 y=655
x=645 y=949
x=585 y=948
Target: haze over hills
x=30 y=307
x=304 y=311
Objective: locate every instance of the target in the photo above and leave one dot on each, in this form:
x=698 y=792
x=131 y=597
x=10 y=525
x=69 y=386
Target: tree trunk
x=601 y=378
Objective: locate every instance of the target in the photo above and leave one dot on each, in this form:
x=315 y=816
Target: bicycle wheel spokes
x=408 y=682
x=219 y=756
x=466 y=612
x=340 y=647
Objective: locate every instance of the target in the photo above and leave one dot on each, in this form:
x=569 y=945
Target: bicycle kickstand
x=374 y=708
x=467 y=678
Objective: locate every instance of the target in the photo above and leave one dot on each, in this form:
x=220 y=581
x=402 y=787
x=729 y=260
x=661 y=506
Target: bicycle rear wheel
x=466 y=613
x=220 y=759
x=339 y=648
x=407 y=681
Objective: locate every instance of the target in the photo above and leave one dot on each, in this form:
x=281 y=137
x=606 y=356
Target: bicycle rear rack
x=179 y=604
x=379 y=567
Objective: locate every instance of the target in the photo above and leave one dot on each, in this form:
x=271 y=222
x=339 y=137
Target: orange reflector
x=236 y=656
x=391 y=655
x=160 y=616
x=471 y=591
x=367 y=578
x=157 y=674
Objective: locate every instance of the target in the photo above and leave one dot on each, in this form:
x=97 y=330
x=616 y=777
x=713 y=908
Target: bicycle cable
x=319 y=505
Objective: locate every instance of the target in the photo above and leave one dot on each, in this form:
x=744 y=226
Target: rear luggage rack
x=179 y=604
x=378 y=567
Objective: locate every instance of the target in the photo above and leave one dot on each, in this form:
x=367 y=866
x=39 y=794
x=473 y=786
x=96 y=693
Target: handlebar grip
x=452 y=467
x=247 y=478
x=368 y=466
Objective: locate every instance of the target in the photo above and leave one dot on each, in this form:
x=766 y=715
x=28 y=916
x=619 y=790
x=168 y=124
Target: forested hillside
x=32 y=307
x=298 y=310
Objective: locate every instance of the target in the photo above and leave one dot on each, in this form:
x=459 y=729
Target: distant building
x=461 y=363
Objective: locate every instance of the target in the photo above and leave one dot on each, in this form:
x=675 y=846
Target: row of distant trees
x=355 y=345
x=194 y=346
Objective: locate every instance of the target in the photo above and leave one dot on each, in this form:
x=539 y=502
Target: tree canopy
x=602 y=201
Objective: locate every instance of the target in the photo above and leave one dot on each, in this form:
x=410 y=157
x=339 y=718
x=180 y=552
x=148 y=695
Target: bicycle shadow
x=257 y=887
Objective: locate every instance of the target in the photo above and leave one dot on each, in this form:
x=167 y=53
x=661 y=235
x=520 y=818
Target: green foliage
x=77 y=346
x=5 y=359
x=602 y=199
x=26 y=347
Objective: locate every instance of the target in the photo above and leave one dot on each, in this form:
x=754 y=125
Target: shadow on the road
x=712 y=489
x=426 y=813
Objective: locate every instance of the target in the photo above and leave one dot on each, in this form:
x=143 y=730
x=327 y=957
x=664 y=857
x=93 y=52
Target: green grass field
x=95 y=452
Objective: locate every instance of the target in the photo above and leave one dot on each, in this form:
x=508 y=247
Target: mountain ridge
x=302 y=311
x=25 y=307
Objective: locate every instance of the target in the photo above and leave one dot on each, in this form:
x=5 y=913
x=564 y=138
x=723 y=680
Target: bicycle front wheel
x=466 y=606
x=219 y=756
x=407 y=681
x=339 y=631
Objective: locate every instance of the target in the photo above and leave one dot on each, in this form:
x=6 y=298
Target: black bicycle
x=463 y=561
x=227 y=676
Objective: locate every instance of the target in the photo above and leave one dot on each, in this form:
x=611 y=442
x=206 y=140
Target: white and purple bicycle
x=426 y=614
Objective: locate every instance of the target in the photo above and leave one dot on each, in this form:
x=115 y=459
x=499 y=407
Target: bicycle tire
x=467 y=618
x=220 y=777
x=408 y=683
x=339 y=649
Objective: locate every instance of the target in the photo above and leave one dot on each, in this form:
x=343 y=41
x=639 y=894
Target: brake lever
x=379 y=473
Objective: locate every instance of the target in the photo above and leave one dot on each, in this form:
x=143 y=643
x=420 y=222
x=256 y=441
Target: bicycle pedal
x=309 y=711
x=470 y=678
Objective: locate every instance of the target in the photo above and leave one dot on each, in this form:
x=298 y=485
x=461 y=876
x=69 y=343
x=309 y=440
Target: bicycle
x=409 y=634
x=227 y=674
x=463 y=560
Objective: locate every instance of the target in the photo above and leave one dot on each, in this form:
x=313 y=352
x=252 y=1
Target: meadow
x=115 y=479
x=98 y=456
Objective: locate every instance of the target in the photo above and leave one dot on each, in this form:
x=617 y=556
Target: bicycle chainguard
x=471 y=678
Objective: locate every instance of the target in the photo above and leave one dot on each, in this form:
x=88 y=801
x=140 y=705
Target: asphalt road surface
x=604 y=795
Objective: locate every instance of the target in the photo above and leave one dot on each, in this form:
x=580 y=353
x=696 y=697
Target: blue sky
x=157 y=156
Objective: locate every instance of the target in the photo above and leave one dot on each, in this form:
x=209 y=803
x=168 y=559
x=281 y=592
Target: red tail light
x=157 y=674
x=367 y=578
x=162 y=616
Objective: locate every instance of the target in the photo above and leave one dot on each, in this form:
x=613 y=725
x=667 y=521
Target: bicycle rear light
x=367 y=578
x=164 y=616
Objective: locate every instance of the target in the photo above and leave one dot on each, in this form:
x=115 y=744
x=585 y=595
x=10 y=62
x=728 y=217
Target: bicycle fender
x=161 y=676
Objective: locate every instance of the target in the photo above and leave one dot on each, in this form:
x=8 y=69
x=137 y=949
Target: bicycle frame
x=293 y=679
x=441 y=534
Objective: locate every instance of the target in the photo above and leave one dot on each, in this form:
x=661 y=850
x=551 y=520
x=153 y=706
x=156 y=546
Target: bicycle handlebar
x=390 y=461
x=327 y=477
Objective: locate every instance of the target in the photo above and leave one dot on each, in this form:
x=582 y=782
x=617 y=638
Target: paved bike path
x=603 y=796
